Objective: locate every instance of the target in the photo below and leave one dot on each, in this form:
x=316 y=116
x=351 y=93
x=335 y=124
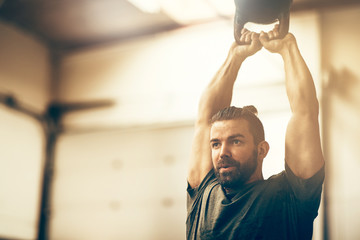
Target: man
x=227 y=195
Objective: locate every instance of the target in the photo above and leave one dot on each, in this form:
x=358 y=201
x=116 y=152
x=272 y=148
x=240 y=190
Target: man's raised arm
x=303 y=152
x=217 y=96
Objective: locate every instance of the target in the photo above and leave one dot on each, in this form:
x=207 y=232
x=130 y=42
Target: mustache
x=225 y=162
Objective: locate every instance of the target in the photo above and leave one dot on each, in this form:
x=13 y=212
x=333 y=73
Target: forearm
x=218 y=93
x=300 y=87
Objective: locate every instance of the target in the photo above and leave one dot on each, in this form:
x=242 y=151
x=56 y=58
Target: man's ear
x=263 y=149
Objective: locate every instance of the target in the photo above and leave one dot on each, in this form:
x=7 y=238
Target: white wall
x=24 y=72
x=341 y=58
x=121 y=184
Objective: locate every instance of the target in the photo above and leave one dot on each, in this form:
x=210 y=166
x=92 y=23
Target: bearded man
x=228 y=197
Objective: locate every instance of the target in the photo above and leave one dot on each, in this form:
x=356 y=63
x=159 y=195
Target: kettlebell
x=262 y=12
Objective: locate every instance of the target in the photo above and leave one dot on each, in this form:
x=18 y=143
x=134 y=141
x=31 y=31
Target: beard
x=238 y=177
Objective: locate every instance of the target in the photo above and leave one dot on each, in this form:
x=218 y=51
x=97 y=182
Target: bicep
x=200 y=157
x=303 y=152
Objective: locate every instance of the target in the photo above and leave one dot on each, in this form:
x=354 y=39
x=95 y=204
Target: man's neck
x=232 y=191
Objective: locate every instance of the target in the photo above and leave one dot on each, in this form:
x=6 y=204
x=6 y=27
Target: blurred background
x=98 y=100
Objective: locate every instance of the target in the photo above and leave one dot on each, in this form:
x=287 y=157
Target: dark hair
x=248 y=113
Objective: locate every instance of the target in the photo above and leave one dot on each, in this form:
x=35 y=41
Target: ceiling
x=71 y=24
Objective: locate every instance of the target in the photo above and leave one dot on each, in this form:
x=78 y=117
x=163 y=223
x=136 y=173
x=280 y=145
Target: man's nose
x=225 y=151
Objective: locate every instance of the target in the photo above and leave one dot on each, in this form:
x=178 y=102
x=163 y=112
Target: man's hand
x=250 y=44
x=272 y=43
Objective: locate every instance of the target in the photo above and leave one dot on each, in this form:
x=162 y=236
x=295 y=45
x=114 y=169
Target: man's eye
x=215 y=145
x=236 y=141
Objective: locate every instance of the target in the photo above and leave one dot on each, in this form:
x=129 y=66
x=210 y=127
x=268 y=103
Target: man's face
x=234 y=153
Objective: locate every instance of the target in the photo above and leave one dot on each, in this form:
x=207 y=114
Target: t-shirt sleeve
x=306 y=190
x=195 y=193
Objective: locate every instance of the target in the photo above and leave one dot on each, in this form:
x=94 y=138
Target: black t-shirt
x=281 y=207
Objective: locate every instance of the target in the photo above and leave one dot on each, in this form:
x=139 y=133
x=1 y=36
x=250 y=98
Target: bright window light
x=187 y=11
x=223 y=7
x=148 y=6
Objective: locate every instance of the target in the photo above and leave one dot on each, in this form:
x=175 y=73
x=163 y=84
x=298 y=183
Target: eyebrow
x=230 y=137
x=236 y=136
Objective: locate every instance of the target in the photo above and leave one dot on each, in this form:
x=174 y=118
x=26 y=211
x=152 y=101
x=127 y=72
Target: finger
x=248 y=37
x=271 y=35
x=242 y=37
x=276 y=33
x=245 y=37
x=264 y=38
x=255 y=36
x=255 y=42
x=244 y=30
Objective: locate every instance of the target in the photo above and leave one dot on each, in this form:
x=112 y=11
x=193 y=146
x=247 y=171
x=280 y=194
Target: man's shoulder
x=276 y=185
x=279 y=177
x=210 y=180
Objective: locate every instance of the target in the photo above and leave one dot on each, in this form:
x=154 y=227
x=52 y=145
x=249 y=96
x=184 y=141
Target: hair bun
x=251 y=108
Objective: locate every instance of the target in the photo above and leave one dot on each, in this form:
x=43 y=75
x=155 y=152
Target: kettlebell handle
x=240 y=21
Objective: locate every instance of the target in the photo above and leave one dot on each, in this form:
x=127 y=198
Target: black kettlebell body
x=262 y=12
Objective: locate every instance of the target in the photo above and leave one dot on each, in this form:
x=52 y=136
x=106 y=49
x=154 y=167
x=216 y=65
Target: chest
x=249 y=215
